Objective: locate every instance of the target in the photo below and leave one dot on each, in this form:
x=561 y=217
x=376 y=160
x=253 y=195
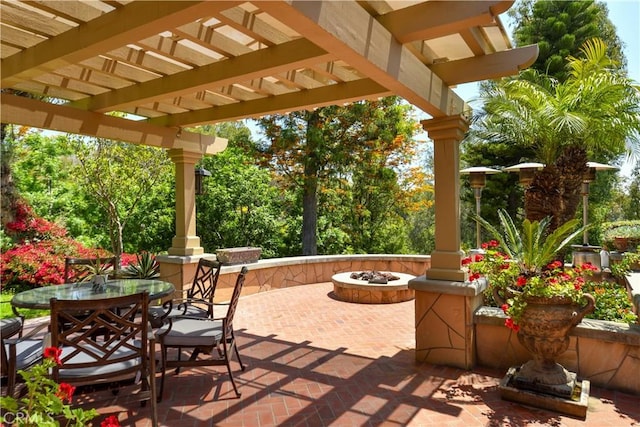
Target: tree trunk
x=9 y=196
x=309 y=217
x=555 y=190
x=572 y=165
x=543 y=197
x=310 y=187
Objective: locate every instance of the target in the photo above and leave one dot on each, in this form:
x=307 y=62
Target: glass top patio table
x=38 y=298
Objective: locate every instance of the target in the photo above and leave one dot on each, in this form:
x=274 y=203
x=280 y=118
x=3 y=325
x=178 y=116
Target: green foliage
x=612 y=302
x=359 y=141
x=44 y=402
x=560 y=28
x=119 y=176
x=532 y=246
x=145 y=267
x=624 y=228
x=240 y=206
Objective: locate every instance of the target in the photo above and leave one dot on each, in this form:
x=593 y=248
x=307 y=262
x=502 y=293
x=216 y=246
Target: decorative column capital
x=448 y=127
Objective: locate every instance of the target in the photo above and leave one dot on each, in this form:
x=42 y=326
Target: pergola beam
x=433 y=19
x=347 y=30
x=499 y=64
x=306 y=99
x=33 y=113
x=134 y=21
x=264 y=62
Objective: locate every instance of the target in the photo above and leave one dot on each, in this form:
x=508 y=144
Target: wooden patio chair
x=211 y=338
x=127 y=353
x=83 y=269
x=197 y=300
x=18 y=351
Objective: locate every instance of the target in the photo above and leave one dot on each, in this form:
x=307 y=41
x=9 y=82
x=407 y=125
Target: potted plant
x=543 y=299
x=623 y=235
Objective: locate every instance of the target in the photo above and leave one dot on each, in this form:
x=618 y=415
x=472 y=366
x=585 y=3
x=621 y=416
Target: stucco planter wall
x=605 y=353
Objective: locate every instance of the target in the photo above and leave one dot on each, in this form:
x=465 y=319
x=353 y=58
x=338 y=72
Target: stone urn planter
x=544 y=332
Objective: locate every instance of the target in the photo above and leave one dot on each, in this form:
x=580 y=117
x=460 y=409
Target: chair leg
x=227 y=360
x=235 y=347
x=163 y=351
x=152 y=385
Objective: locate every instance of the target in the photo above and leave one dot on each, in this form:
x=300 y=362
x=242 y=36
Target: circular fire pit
x=362 y=291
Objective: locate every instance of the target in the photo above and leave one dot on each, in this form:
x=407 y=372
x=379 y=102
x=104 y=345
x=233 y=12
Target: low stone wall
x=605 y=353
x=277 y=273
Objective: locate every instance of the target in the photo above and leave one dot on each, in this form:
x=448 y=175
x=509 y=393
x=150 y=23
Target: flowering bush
x=521 y=264
x=37 y=258
x=44 y=404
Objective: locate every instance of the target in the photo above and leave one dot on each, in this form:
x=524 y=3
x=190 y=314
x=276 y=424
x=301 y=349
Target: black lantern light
x=200 y=174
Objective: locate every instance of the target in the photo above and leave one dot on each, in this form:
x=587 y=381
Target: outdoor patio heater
x=585 y=252
x=525 y=171
x=478 y=180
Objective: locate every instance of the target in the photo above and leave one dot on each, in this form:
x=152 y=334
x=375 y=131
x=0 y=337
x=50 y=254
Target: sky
x=625 y=15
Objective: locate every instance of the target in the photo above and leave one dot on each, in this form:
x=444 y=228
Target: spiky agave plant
x=532 y=247
x=145 y=267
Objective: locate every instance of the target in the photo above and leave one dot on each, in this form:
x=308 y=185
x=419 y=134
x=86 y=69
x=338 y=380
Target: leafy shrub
x=612 y=302
x=37 y=255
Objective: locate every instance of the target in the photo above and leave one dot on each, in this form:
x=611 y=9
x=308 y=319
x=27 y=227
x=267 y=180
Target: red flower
x=474 y=276
x=484 y=245
x=493 y=244
x=521 y=281
x=53 y=353
x=110 y=421
x=479 y=257
x=65 y=391
x=513 y=326
x=555 y=264
x=505 y=307
x=466 y=261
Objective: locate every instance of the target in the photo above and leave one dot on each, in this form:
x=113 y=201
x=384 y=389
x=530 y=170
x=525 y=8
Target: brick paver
x=315 y=361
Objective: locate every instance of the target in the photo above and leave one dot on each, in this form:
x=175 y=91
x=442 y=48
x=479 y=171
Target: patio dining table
x=38 y=298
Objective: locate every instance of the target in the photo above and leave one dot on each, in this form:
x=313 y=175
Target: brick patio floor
x=314 y=361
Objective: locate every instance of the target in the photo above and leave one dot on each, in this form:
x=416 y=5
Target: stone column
x=185 y=242
x=444 y=301
x=446 y=133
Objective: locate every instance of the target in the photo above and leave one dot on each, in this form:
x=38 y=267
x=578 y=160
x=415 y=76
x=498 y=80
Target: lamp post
x=526 y=171
x=477 y=180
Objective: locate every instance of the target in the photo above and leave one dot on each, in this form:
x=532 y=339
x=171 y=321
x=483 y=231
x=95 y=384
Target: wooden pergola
x=171 y=65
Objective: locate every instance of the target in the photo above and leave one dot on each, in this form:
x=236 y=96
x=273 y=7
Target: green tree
x=305 y=148
x=240 y=206
x=560 y=28
x=119 y=176
x=594 y=114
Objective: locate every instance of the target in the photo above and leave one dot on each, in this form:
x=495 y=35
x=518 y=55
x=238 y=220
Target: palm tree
x=595 y=113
